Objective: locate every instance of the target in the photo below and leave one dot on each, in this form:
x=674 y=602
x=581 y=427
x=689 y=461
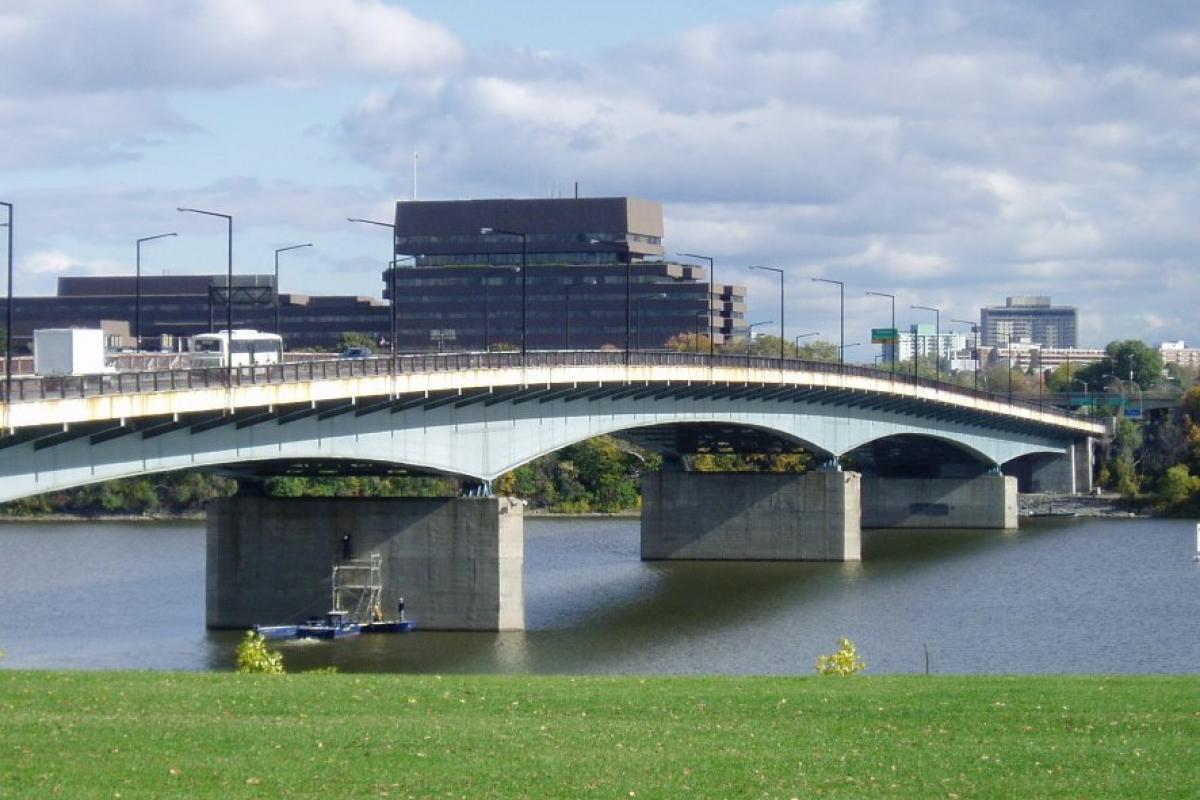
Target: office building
x=465 y=286
x=927 y=341
x=1029 y=319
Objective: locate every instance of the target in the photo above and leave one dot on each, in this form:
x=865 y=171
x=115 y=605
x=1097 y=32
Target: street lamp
x=487 y=339
x=847 y=347
x=781 y=325
x=524 y=281
x=618 y=247
x=841 y=316
x=637 y=313
x=711 y=270
x=937 y=339
x=8 y=312
x=391 y=282
x=799 y=336
x=228 y=286
x=974 y=346
x=567 y=309
x=750 y=336
x=895 y=333
x=277 y=252
x=137 y=289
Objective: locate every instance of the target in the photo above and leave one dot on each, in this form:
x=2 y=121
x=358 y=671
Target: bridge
x=894 y=451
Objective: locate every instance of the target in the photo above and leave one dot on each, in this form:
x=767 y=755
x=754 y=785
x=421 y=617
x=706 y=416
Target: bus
x=249 y=348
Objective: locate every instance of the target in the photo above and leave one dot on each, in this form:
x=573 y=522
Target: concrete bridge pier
x=1053 y=473
x=457 y=562
x=751 y=516
x=986 y=501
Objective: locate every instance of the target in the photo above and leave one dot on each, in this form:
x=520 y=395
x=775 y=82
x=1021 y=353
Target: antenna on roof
x=576 y=190
x=414 y=176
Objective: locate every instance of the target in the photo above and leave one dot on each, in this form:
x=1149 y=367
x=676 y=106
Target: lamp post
x=391 y=282
x=8 y=311
x=1008 y=360
x=619 y=247
x=637 y=313
x=781 y=324
x=796 y=340
x=228 y=286
x=524 y=281
x=567 y=309
x=750 y=336
x=895 y=341
x=841 y=316
x=277 y=252
x=974 y=346
x=847 y=347
x=137 y=289
x=487 y=340
x=937 y=339
x=711 y=276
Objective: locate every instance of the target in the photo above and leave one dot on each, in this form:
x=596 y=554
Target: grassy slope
x=222 y=735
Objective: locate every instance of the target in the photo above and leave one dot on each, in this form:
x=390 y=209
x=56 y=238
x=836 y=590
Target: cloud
x=955 y=151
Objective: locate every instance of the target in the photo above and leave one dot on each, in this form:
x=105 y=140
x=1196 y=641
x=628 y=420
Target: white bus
x=249 y=347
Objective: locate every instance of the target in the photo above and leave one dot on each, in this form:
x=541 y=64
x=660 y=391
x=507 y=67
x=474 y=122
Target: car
x=356 y=352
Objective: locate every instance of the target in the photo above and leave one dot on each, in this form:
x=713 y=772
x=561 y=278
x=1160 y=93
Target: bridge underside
x=485 y=432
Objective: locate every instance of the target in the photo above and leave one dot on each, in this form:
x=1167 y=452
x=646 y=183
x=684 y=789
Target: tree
x=819 y=351
x=1124 y=359
x=1177 y=486
x=347 y=339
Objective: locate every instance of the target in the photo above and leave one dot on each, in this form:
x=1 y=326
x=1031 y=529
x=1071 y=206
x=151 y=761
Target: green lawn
x=114 y=734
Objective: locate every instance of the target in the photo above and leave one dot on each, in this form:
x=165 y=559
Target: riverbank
x=1080 y=505
x=109 y=734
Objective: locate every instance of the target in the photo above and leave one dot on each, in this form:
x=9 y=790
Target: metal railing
x=33 y=389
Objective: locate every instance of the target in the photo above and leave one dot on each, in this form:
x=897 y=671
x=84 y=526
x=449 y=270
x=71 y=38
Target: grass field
x=130 y=735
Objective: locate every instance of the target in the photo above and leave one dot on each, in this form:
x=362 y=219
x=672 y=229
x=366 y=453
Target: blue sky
x=950 y=151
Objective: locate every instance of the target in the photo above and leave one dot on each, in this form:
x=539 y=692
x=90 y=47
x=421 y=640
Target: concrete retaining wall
x=456 y=562
x=751 y=516
x=989 y=501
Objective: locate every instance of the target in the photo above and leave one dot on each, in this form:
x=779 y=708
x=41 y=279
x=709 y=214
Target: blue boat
x=357 y=587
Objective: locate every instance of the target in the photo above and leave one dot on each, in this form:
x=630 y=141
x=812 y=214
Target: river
x=1058 y=596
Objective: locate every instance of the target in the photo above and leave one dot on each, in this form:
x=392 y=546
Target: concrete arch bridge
x=928 y=454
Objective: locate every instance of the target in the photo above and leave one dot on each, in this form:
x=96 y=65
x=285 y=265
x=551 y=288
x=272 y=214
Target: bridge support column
x=1052 y=473
x=988 y=501
x=751 y=516
x=456 y=562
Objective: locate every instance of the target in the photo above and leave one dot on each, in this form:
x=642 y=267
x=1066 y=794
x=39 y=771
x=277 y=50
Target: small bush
x=844 y=662
x=253 y=657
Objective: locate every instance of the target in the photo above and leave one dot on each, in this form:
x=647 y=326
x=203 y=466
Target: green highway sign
x=883 y=335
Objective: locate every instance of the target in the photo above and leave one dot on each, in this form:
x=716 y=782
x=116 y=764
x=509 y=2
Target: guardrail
x=33 y=389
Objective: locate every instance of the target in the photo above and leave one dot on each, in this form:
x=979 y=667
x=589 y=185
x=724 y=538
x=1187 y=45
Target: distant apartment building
x=1029 y=319
x=1027 y=355
x=465 y=288
x=1179 y=353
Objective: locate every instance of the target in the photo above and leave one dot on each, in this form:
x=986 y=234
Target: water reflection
x=1058 y=596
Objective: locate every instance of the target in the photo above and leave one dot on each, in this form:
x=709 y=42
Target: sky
x=950 y=152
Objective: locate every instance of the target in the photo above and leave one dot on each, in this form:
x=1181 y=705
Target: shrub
x=844 y=662
x=253 y=657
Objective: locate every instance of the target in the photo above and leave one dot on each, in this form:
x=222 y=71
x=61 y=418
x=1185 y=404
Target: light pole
x=796 y=340
x=974 y=346
x=137 y=289
x=277 y=252
x=781 y=325
x=228 y=286
x=487 y=339
x=847 y=347
x=567 y=309
x=750 y=336
x=937 y=339
x=896 y=333
x=712 y=268
x=391 y=282
x=841 y=316
x=8 y=311
x=637 y=313
x=524 y=281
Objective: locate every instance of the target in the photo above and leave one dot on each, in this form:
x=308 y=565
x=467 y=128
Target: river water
x=1058 y=596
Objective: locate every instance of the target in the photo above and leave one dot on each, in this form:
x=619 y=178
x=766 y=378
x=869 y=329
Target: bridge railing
x=30 y=389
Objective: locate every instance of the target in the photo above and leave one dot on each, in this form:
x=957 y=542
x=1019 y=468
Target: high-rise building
x=1029 y=319
x=465 y=288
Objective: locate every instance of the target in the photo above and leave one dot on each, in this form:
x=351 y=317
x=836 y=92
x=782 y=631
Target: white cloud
x=954 y=150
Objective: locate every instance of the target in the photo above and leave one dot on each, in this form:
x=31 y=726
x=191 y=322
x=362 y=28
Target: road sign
x=1133 y=413
x=883 y=335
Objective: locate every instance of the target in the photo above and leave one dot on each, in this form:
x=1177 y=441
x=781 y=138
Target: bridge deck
x=326 y=386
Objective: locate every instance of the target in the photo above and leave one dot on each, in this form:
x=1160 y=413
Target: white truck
x=68 y=351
